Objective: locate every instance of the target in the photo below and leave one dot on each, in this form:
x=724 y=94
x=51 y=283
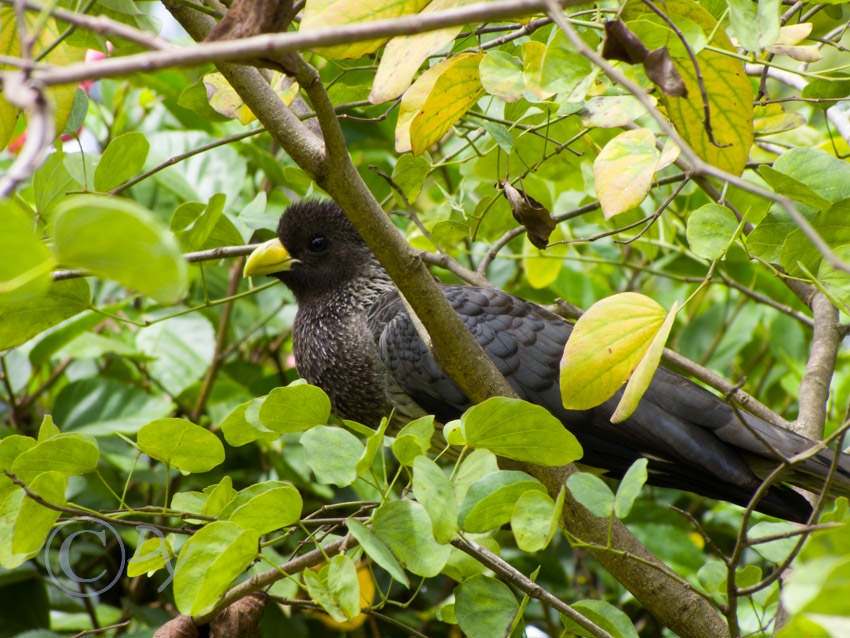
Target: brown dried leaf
x=661 y=70
x=621 y=44
x=538 y=222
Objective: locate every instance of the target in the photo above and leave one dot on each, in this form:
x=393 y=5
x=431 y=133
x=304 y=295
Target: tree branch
x=507 y=572
x=269 y=44
x=814 y=388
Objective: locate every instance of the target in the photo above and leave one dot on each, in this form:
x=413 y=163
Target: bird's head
x=317 y=251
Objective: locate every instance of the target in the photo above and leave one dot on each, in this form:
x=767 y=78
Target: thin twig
x=102 y=24
x=509 y=573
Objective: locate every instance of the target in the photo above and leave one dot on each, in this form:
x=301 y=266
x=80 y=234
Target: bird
x=353 y=337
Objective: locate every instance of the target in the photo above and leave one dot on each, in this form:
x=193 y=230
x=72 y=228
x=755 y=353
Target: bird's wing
x=694 y=440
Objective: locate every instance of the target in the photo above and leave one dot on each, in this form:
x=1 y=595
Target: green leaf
x=10 y=507
x=120 y=240
x=765 y=242
x=295 y=408
x=79 y=109
x=47 y=429
x=150 y=555
x=710 y=230
x=815 y=625
x=242 y=425
x=531 y=520
x=405 y=528
x=592 y=492
x=826 y=175
x=791 y=187
x=453 y=433
x=373 y=444
x=755 y=26
x=344 y=585
x=23 y=319
x=501 y=75
x=475 y=466
x=50 y=183
x=414 y=439
x=122 y=158
x=193 y=223
x=377 y=550
x=182 y=348
x=461 y=566
x=25 y=267
x=336 y=588
x=630 y=487
x=484 y=607
x=264 y=507
x=218 y=496
x=99 y=406
x=35 y=520
x=542 y=266
x=181 y=444
x=432 y=488
x=775 y=551
x=604 y=615
x=519 y=430
x=499 y=133
x=61 y=336
x=208 y=563
x=562 y=68
x=606 y=344
x=332 y=453
x=409 y=174
x=490 y=501
x=70 y=454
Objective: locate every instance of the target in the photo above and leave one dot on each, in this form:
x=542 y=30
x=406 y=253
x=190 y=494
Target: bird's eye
x=319 y=243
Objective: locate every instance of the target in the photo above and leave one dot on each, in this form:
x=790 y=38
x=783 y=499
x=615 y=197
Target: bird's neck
x=356 y=296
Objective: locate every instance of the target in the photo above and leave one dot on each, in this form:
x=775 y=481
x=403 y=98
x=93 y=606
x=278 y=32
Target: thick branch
x=678 y=607
x=814 y=388
x=455 y=349
x=269 y=44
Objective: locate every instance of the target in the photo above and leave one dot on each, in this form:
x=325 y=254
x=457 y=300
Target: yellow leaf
x=640 y=379
x=542 y=266
x=437 y=100
x=772 y=118
x=405 y=54
x=807 y=53
x=319 y=14
x=532 y=68
x=794 y=33
x=61 y=97
x=729 y=92
x=606 y=344
x=226 y=101
x=623 y=171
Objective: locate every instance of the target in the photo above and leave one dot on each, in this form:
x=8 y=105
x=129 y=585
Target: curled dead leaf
x=538 y=222
x=662 y=71
x=622 y=44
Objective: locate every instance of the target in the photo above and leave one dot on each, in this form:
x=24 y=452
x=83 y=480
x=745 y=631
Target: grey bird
x=353 y=337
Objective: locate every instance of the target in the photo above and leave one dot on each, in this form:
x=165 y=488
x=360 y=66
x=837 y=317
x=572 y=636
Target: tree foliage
x=683 y=162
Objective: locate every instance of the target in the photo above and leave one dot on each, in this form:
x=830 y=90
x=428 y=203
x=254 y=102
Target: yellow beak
x=268 y=258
